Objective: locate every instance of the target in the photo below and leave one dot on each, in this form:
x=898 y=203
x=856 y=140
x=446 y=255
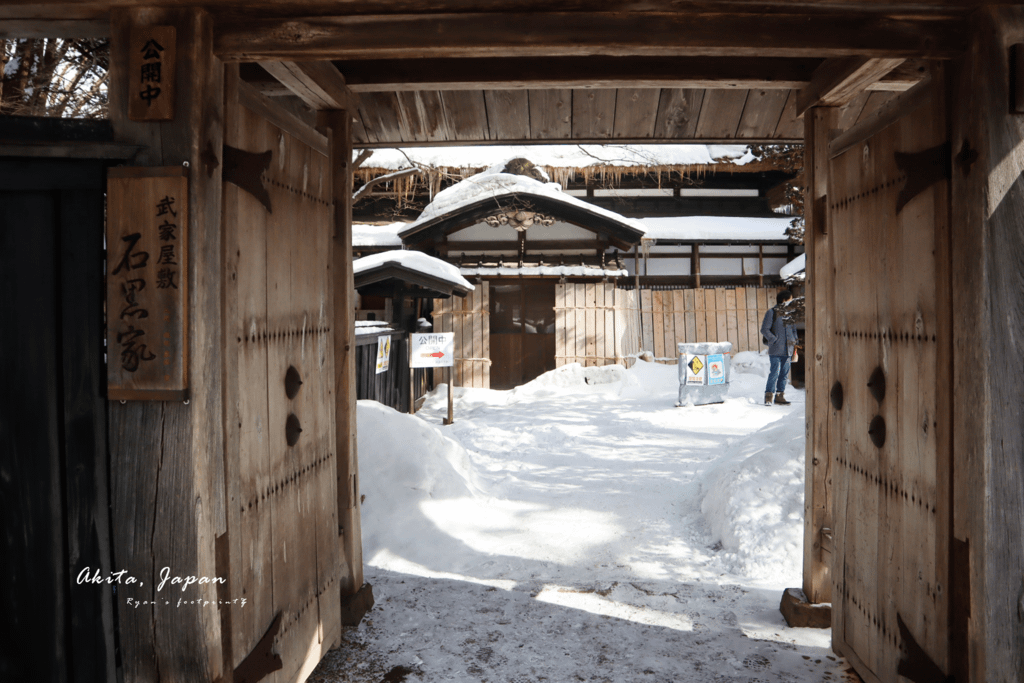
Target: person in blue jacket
x=780 y=335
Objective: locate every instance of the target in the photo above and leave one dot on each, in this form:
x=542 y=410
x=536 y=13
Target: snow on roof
x=567 y=271
x=560 y=156
x=364 y=235
x=716 y=228
x=373 y=327
x=797 y=266
x=414 y=260
x=492 y=183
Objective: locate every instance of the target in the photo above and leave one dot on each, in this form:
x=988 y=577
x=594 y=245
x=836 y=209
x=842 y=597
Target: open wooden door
x=889 y=342
x=283 y=529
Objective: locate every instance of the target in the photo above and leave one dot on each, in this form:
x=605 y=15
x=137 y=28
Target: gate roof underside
x=556 y=71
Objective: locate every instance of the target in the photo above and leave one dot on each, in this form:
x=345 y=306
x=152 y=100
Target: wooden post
x=818 y=123
x=340 y=124
x=987 y=587
x=760 y=265
x=696 y=264
x=167 y=458
x=451 y=394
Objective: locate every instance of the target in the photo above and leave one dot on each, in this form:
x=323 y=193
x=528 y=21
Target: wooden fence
x=597 y=324
x=469 y=319
x=392 y=386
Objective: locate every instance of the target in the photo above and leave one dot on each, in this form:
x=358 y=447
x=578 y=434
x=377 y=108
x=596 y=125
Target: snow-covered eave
x=795 y=268
x=399 y=271
x=569 y=210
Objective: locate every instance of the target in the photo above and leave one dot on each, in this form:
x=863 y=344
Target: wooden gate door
x=891 y=342
x=467 y=318
x=283 y=533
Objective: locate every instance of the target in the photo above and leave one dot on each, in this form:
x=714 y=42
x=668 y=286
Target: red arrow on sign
x=436 y=354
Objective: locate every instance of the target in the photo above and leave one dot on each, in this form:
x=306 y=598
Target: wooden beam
x=13 y=29
x=550 y=34
x=389 y=75
x=339 y=123
x=319 y=84
x=837 y=81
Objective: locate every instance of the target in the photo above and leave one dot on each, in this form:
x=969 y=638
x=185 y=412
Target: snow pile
x=752 y=500
x=751 y=363
x=561 y=156
x=413 y=260
x=364 y=235
x=701 y=228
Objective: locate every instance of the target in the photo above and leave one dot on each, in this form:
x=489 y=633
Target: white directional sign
x=432 y=350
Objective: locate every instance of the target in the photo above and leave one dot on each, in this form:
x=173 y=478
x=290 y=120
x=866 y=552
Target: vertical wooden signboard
x=151 y=73
x=147 y=292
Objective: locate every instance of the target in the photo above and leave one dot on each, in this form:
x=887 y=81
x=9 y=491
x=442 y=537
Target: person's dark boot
x=780 y=399
x=768 y=396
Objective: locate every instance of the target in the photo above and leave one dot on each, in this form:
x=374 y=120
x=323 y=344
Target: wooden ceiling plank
x=319 y=84
x=466 y=112
x=580 y=141
x=837 y=81
x=720 y=114
x=384 y=118
x=790 y=125
x=903 y=77
x=422 y=116
x=636 y=112
x=593 y=112
x=551 y=114
x=15 y=29
x=761 y=113
x=494 y=73
x=508 y=113
x=678 y=112
x=522 y=34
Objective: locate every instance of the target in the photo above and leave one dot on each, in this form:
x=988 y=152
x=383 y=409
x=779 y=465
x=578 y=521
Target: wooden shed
x=911 y=117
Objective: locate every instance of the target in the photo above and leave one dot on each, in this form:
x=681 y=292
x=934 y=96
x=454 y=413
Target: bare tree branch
x=365 y=189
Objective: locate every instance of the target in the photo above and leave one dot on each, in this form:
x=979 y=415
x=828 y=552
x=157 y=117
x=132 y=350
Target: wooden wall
x=469 y=319
x=987 y=615
x=598 y=324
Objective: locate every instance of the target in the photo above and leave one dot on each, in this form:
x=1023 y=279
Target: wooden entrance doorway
x=522 y=323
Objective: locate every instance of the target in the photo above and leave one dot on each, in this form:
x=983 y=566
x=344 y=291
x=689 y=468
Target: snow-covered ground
x=583 y=528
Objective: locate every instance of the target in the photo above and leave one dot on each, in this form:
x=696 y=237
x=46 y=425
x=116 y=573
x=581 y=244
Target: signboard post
x=147 y=284
x=435 y=350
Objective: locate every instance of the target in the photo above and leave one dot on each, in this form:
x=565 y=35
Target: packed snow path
x=583 y=528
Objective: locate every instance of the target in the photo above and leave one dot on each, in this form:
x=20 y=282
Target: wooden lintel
x=53 y=28
x=390 y=75
x=319 y=84
x=549 y=34
x=837 y=81
x=483 y=142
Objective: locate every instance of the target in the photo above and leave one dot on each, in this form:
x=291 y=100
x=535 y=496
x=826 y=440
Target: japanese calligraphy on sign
x=151 y=73
x=147 y=315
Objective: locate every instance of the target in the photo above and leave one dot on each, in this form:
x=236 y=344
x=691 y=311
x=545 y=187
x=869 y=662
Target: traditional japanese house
x=562 y=278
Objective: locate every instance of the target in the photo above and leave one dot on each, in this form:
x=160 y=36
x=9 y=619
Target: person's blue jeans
x=778 y=373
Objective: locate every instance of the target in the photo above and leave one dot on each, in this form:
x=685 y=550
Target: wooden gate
x=283 y=531
x=888 y=324
x=468 y=319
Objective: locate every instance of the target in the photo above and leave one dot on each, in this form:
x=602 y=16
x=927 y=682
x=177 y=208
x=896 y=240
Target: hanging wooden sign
x=151 y=72
x=147 y=284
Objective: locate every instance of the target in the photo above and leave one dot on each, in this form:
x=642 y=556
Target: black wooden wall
x=53 y=441
x=390 y=387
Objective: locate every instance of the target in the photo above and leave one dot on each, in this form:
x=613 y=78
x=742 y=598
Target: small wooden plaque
x=151 y=73
x=147 y=284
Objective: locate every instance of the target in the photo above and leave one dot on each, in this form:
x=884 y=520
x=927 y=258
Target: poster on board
x=696 y=370
x=716 y=368
x=383 y=353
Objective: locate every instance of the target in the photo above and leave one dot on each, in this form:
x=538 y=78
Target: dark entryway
x=53 y=426
x=522 y=326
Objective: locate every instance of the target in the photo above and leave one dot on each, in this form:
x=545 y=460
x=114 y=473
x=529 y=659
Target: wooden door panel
x=890 y=317
x=286 y=554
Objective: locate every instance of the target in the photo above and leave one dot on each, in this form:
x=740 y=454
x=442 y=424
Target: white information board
x=432 y=350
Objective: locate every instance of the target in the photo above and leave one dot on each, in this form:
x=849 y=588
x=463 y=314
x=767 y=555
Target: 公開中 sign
x=432 y=350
